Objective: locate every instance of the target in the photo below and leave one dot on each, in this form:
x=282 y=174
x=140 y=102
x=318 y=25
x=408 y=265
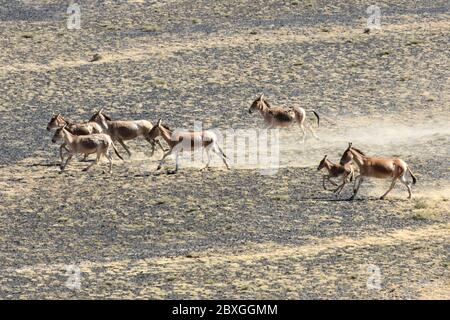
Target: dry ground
x=225 y=234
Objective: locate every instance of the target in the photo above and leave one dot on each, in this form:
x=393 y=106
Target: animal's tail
x=412 y=176
x=115 y=150
x=317 y=116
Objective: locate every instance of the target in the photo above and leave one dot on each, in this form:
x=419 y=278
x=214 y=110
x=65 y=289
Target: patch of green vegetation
x=160 y=82
x=280 y=197
x=419 y=217
x=195 y=21
x=412 y=43
x=420 y=204
x=96 y=57
x=151 y=28
x=383 y=53
x=353 y=64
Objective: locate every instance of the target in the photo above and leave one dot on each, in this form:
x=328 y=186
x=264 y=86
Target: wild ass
x=79 y=129
x=378 y=168
x=187 y=140
x=98 y=143
x=334 y=171
x=283 y=117
x=123 y=130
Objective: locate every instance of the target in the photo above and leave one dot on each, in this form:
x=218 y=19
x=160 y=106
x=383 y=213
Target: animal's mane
x=67 y=120
x=359 y=151
x=107 y=117
x=166 y=127
x=267 y=103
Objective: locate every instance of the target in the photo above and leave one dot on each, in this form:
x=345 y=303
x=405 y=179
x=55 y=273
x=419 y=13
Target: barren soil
x=218 y=233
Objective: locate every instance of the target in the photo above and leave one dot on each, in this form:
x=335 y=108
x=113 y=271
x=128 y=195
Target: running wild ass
x=98 y=143
x=378 y=168
x=79 y=129
x=187 y=140
x=334 y=171
x=278 y=117
x=123 y=130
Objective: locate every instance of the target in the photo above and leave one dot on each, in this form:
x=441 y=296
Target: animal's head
x=55 y=121
x=258 y=104
x=100 y=118
x=322 y=163
x=347 y=156
x=59 y=134
x=155 y=131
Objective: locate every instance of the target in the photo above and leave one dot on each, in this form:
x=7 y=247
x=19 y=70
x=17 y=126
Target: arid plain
x=219 y=233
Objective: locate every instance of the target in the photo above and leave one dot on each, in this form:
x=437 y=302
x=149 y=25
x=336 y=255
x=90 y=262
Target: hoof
x=171 y=171
x=381 y=198
x=159 y=168
x=85 y=169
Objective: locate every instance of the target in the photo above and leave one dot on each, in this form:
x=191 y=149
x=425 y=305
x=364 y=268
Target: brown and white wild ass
x=97 y=143
x=278 y=117
x=334 y=171
x=123 y=130
x=375 y=167
x=79 y=129
x=187 y=140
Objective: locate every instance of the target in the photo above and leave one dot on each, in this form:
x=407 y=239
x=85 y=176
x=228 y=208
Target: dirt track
x=225 y=234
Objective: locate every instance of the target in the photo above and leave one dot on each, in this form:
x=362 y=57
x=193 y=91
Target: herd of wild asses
x=97 y=136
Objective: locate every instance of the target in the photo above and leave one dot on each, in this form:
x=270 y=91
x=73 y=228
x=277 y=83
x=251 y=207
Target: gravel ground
x=219 y=233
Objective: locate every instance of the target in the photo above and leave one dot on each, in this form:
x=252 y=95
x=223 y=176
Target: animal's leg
x=85 y=157
x=152 y=143
x=407 y=184
x=161 y=146
x=332 y=182
x=67 y=161
x=356 y=182
x=323 y=182
x=339 y=189
x=163 y=158
x=302 y=127
x=177 y=161
x=95 y=162
x=208 y=149
x=125 y=147
x=355 y=191
x=108 y=155
x=63 y=146
x=390 y=188
x=216 y=149
x=309 y=127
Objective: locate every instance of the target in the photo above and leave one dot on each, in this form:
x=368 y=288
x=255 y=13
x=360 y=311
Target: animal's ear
x=101 y=110
x=159 y=122
x=58 y=114
x=349 y=145
x=261 y=96
x=325 y=157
